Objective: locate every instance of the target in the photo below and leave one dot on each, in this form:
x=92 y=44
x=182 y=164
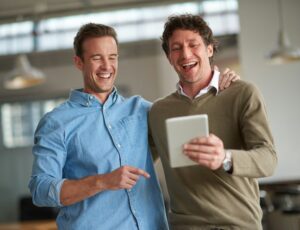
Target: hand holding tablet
x=181 y=130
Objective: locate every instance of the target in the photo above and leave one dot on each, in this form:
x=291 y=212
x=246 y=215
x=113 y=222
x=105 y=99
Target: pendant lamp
x=23 y=75
x=284 y=52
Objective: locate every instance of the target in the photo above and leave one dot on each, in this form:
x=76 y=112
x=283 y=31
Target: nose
x=105 y=64
x=186 y=52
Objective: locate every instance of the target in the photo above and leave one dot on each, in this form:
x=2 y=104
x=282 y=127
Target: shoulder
x=58 y=110
x=137 y=99
x=165 y=101
x=246 y=85
x=249 y=89
x=55 y=117
x=243 y=95
x=164 y=105
x=241 y=85
x=136 y=103
x=241 y=88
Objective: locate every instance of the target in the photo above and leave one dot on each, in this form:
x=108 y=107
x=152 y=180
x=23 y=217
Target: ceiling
x=17 y=10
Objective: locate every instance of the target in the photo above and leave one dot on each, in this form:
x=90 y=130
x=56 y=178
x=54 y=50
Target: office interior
x=247 y=30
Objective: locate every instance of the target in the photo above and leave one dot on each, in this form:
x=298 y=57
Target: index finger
x=139 y=172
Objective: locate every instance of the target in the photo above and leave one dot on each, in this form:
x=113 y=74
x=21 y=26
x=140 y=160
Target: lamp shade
x=23 y=75
x=284 y=52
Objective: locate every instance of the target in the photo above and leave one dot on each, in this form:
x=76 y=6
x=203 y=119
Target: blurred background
x=260 y=40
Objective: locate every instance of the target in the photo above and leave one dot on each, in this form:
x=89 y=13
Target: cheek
x=92 y=68
x=115 y=66
x=172 y=59
x=89 y=71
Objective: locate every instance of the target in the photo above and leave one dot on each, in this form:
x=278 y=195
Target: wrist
x=227 y=162
x=100 y=183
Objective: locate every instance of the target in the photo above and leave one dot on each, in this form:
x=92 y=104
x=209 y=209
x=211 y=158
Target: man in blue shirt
x=91 y=154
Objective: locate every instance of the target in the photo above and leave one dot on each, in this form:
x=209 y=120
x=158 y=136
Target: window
x=19 y=120
x=16 y=37
x=131 y=25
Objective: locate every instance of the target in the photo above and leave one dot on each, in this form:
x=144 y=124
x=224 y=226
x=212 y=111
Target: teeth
x=189 y=64
x=104 y=75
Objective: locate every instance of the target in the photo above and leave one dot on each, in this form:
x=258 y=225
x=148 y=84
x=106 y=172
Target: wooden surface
x=30 y=225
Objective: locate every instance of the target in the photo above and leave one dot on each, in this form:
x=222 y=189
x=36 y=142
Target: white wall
x=279 y=84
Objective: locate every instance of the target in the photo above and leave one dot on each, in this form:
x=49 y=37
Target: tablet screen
x=180 y=130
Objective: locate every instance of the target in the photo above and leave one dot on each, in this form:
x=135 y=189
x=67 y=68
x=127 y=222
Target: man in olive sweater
x=222 y=191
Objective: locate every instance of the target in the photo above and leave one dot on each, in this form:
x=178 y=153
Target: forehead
x=104 y=44
x=180 y=36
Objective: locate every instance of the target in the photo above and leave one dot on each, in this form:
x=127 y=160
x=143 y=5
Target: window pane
x=223 y=24
x=219 y=6
x=19 y=121
x=14 y=29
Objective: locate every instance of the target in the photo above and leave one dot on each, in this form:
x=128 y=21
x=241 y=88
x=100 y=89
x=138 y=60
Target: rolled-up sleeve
x=49 y=154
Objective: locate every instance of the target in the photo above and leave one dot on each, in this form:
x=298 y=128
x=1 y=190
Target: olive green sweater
x=199 y=197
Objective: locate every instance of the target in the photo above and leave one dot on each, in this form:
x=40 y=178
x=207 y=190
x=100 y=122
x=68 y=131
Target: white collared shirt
x=214 y=83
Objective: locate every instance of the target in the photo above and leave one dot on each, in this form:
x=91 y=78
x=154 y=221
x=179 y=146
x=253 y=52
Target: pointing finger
x=140 y=172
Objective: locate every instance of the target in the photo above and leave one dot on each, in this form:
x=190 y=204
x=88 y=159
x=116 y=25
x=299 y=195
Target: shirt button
x=87 y=104
x=91 y=97
x=109 y=126
x=118 y=145
x=129 y=190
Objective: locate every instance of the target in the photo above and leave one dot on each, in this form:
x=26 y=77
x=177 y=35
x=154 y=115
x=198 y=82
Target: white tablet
x=180 y=130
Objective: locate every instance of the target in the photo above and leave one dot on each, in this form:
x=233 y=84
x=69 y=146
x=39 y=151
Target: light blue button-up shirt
x=83 y=137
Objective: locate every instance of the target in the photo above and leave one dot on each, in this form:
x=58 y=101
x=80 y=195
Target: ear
x=78 y=62
x=210 y=50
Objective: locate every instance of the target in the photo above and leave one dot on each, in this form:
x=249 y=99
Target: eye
x=175 y=48
x=193 y=45
x=96 y=58
x=113 y=58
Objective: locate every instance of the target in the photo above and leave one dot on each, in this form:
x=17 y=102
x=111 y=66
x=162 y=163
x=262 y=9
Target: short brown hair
x=91 y=30
x=188 y=22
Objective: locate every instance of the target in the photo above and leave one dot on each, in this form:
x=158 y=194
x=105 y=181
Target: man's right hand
x=124 y=177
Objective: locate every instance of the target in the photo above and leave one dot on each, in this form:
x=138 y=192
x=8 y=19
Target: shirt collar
x=214 y=83
x=89 y=100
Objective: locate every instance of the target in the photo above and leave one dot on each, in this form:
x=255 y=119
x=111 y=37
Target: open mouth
x=188 y=66
x=104 y=75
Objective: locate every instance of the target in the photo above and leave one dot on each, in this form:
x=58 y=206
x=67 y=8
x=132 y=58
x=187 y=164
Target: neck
x=192 y=89
x=102 y=97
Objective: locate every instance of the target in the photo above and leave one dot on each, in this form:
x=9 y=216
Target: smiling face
x=99 y=65
x=189 y=56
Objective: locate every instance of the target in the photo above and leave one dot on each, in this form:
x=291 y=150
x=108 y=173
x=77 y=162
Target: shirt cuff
x=54 y=191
